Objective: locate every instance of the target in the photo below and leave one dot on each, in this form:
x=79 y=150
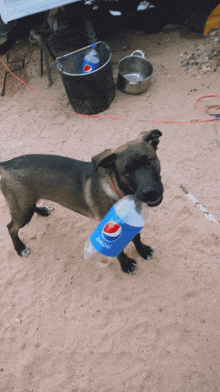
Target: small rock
x=18 y=320
x=204 y=57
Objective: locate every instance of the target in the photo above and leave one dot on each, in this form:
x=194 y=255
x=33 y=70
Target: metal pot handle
x=140 y=53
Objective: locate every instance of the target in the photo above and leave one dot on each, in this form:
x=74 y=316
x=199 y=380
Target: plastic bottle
x=91 y=60
x=120 y=225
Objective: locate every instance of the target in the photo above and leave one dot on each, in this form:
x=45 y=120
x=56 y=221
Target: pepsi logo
x=111 y=231
x=87 y=68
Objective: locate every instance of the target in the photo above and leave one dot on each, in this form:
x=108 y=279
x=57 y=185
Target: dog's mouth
x=156 y=202
x=153 y=202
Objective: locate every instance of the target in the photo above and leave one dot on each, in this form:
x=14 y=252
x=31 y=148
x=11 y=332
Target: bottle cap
x=94 y=46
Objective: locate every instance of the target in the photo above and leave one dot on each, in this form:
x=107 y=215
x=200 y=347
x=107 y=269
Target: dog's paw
x=24 y=252
x=129 y=266
x=132 y=268
x=146 y=252
x=152 y=255
x=49 y=209
x=44 y=211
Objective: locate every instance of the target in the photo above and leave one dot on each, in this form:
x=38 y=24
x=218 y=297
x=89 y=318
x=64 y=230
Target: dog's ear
x=106 y=159
x=151 y=137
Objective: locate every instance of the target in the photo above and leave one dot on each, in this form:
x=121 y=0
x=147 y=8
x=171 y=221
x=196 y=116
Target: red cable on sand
x=27 y=85
x=183 y=122
x=206 y=96
x=193 y=121
x=98 y=116
x=118 y=118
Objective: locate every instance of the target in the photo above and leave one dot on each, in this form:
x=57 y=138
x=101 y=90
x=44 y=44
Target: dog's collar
x=115 y=189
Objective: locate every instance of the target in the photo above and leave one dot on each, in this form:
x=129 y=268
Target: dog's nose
x=149 y=195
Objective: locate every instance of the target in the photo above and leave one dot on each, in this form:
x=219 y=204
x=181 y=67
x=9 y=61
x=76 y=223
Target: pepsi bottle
x=91 y=60
x=120 y=225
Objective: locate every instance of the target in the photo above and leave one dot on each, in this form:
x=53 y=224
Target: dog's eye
x=126 y=171
x=149 y=162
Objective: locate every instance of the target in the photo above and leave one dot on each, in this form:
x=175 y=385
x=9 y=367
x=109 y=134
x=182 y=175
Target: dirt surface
x=70 y=326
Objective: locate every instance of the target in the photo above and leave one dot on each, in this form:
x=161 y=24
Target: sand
x=68 y=325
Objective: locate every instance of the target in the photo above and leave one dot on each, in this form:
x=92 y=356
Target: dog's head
x=136 y=167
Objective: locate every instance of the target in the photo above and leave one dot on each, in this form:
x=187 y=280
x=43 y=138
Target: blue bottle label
x=112 y=235
x=88 y=66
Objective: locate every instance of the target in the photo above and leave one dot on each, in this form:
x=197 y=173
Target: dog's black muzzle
x=149 y=188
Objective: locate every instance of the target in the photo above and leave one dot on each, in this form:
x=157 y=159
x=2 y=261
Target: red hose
x=118 y=118
x=27 y=85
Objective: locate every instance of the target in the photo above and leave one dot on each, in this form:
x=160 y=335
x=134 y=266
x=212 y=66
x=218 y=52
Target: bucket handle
x=59 y=66
x=140 y=53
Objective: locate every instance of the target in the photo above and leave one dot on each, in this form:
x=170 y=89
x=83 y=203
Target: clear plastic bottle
x=120 y=225
x=91 y=60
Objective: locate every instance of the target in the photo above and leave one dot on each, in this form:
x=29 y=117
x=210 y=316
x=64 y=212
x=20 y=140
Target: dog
x=88 y=188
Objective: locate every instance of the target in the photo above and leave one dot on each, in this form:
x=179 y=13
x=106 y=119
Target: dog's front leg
x=144 y=251
x=127 y=265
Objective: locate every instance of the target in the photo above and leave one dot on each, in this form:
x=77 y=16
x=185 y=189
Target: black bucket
x=88 y=93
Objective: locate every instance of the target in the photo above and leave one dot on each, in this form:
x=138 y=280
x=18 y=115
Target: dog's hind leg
x=144 y=251
x=22 y=206
x=19 y=246
x=20 y=217
x=19 y=220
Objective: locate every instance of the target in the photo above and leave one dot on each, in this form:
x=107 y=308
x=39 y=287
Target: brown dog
x=89 y=188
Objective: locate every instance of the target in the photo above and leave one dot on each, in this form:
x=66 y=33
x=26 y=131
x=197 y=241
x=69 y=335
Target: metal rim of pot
x=142 y=56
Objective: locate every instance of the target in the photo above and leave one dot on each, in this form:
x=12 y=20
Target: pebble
x=205 y=58
x=18 y=320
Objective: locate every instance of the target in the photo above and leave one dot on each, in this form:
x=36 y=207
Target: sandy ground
x=70 y=326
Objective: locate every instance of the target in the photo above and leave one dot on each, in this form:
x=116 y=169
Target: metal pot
x=135 y=73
